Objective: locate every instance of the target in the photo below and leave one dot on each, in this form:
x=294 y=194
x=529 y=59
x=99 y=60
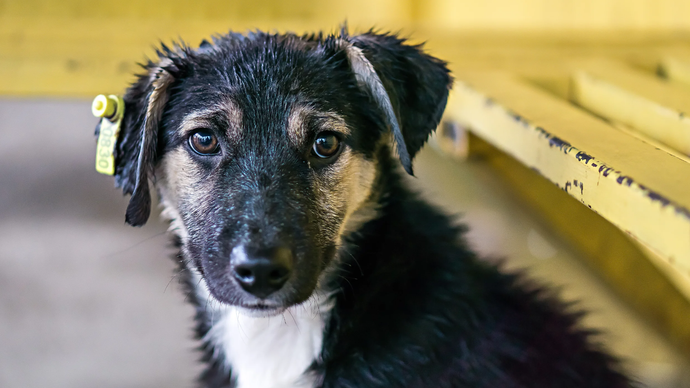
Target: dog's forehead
x=281 y=87
x=274 y=65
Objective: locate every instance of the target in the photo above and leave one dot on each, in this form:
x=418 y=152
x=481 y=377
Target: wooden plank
x=576 y=15
x=91 y=56
x=649 y=284
x=235 y=11
x=84 y=53
x=640 y=189
x=645 y=103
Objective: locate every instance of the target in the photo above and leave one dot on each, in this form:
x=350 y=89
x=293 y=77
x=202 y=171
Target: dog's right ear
x=135 y=153
x=409 y=87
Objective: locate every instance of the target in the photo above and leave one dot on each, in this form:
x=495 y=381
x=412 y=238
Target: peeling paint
x=624 y=180
x=555 y=141
x=604 y=195
x=605 y=171
x=655 y=197
x=560 y=143
x=583 y=156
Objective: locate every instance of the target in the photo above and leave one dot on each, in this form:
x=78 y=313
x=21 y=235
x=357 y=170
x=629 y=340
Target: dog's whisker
x=294 y=320
x=361 y=272
x=173 y=277
x=239 y=323
x=113 y=254
x=348 y=281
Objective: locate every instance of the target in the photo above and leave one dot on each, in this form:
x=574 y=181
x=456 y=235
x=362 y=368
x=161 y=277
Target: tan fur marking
x=202 y=119
x=344 y=190
x=300 y=116
x=360 y=209
x=181 y=182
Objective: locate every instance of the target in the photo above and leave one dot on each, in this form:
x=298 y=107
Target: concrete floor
x=86 y=301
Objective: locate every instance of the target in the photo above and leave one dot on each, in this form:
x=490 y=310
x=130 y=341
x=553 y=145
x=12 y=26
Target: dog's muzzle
x=261 y=272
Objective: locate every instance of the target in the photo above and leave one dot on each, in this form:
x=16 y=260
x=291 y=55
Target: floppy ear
x=135 y=154
x=408 y=86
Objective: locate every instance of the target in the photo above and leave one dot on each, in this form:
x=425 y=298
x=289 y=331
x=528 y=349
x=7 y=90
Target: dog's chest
x=271 y=352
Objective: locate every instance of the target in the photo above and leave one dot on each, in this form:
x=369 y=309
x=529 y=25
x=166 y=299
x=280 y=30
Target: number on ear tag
x=111 y=109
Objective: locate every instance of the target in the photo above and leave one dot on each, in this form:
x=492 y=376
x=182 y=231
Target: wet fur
x=385 y=288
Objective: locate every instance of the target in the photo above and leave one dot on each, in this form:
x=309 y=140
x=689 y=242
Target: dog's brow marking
x=297 y=126
x=202 y=119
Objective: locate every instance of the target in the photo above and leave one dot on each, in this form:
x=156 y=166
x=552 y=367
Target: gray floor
x=86 y=301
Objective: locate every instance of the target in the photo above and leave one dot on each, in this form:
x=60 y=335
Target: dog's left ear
x=135 y=153
x=408 y=86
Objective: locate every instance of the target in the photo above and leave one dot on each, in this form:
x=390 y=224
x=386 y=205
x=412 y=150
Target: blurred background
x=87 y=301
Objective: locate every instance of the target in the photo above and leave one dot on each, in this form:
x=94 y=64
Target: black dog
x=276 y=158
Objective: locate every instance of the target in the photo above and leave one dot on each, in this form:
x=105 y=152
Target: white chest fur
x=268 y=352
x=271 y=352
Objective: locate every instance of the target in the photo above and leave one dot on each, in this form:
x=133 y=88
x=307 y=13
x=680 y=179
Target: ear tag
x=111 y=109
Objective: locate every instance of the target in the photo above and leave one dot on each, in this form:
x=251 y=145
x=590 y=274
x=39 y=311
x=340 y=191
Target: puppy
x=310 y=263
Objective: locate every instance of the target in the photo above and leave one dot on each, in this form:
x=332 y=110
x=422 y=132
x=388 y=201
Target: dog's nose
x=264 y=273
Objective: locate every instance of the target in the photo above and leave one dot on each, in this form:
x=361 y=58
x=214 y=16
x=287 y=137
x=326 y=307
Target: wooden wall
x=82 y=47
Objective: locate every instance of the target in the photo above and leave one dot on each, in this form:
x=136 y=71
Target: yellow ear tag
x=111 y=109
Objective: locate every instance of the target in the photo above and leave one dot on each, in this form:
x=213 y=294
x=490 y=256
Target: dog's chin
x=253 y=307
x=260 y=311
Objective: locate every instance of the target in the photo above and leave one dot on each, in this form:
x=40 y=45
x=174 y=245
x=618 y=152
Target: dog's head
x=264 y=146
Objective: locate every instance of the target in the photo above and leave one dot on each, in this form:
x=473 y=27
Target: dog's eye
x=326 y=145
x=204 y=142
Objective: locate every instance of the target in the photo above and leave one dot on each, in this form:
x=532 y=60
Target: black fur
x=414 y=307
x=419 y=309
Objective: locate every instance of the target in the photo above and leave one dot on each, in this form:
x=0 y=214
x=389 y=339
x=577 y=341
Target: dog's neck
x=272 y=352
x=266 y=352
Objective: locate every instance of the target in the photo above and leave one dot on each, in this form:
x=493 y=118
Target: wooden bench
x=606 y=147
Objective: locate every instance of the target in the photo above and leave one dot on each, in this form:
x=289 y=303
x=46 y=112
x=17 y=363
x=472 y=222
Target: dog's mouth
x=261 y=309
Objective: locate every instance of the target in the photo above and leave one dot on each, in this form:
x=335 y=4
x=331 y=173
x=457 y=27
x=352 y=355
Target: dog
x=279 y=161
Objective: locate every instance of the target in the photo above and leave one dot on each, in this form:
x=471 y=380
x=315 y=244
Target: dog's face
x=264 y=147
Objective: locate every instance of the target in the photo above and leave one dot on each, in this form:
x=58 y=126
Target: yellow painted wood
x=640 y=189
x=676 y=70
x=450 y=14
x=605 y=248
x=634 y=133
x=558 y=15
x=649 y=105
x=83 y=48
x=89 y=56
x=331 y=12
x=679 y=280
x=662 y=296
